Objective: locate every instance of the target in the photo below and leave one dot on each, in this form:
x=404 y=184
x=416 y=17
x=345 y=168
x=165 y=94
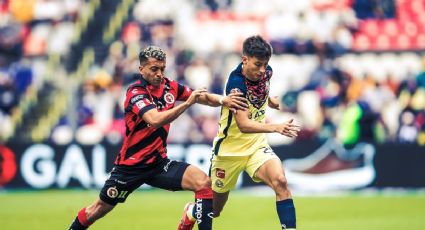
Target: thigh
x=258 y=159
x=119 y=185
x=194 y=179
x=270 y=171
x=225 y=171
x=169 y=176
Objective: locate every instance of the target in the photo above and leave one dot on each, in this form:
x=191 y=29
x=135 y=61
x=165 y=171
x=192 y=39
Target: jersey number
x=122 y=194
x=268 y=150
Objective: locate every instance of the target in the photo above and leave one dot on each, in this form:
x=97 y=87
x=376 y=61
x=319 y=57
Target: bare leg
x=196 y=180
x=97 y=210
x=273 y=175
x=219 y=201
x=90 y=214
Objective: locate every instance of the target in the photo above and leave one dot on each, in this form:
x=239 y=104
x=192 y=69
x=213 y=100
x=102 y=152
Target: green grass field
x=162 y=210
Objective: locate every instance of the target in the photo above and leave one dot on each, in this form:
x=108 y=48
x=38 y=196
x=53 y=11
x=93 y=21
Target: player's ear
x=244 y=59
x=141 y=66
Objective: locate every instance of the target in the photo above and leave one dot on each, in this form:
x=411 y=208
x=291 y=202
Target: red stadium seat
x=420 y=41
x=403 y=42
x=361 y=42
x=390 y=28
x=382 y=42
x=371 y=27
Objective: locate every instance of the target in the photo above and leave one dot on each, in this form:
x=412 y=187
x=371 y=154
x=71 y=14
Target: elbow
x=155 y=123
x=243 y=129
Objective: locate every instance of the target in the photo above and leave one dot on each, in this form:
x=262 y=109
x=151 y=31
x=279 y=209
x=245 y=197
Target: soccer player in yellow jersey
x=241 y=143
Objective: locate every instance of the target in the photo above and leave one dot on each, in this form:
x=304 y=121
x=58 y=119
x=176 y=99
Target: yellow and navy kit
x=230 y=141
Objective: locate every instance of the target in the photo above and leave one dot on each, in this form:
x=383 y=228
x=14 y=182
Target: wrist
x=274 y=128
x=187 y=104
x=221 y=100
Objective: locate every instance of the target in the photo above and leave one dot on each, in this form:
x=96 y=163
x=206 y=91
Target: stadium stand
x=63 y=71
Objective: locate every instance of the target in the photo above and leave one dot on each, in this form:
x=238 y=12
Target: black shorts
x=123 y=180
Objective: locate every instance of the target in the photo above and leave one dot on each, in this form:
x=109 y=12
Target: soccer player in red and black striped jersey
x=149 y=110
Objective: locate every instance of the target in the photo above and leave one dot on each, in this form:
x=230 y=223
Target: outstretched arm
x=247 y=125
x=158 y=119
x=234 y=101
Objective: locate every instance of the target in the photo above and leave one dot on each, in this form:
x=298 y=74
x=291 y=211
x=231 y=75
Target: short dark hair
x=151 y=51
x=256 y=46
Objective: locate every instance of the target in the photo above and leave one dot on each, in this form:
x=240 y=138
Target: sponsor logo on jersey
x=259 y=113
x=120 y=182
x=112 y=192
x=140 y=104
x=167 y=165
x=220 y=173
x=137 y=98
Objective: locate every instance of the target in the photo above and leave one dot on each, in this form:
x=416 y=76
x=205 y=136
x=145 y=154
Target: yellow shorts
x=225 y=170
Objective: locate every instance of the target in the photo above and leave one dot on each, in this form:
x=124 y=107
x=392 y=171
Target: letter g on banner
x=7 y=165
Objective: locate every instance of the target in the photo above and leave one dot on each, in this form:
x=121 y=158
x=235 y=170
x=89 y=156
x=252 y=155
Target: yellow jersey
x=230 y=141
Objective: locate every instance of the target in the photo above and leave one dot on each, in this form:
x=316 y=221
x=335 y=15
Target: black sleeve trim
x=145 y=109
x=180 y=90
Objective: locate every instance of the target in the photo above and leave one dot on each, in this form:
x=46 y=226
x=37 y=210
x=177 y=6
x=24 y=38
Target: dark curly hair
x=151 y=51
x=256 y=46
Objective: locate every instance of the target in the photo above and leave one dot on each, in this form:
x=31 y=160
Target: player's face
x=153 y=71
x=254 y=68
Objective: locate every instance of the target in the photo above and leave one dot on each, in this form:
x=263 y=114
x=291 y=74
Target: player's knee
x=202 y=182
x=203 y=189
x=280 y=183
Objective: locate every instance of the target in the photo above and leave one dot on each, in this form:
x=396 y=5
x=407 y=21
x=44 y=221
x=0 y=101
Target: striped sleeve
x=139 y=103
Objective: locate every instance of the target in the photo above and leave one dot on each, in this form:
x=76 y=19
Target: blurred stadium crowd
x=351 y=69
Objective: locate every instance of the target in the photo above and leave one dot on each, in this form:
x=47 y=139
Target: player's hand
x=288 y=129
x=235 y=101
x=274 y=103
x=193 y=98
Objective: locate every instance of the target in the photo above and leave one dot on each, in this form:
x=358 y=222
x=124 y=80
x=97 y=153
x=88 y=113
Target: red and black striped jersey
x=143 y=144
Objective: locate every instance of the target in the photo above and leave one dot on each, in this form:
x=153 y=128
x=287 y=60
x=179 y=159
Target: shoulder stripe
x=225 y=132
x=180 y=90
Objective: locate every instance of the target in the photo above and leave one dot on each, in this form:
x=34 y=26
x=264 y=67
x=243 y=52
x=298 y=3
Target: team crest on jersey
x=112 y=192
x=169 y=98
x=219 y=183
x=220 y=173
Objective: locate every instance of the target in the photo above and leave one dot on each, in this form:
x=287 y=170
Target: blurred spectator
x=9 y=96
x=198 y=74
x=374 y=8
x=10 y=44
x=357 y=96
x=407 y=131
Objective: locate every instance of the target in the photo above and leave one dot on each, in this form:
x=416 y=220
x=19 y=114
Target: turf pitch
x=153 y=209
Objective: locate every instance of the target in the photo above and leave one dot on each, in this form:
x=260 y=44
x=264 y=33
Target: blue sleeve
x=236 y=82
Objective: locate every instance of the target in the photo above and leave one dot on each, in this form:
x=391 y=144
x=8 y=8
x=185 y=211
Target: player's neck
x=246 y=75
